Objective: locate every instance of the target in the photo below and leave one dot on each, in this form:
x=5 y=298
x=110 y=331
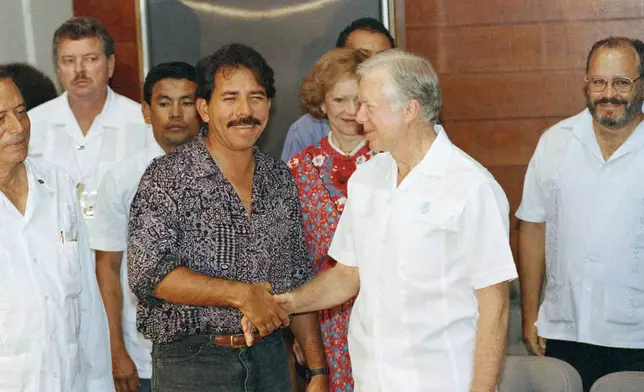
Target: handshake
x=264 y=312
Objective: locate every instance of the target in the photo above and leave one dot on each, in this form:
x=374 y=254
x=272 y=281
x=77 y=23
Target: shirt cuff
x=498 y=275
x=107 y=244
x=530 y=216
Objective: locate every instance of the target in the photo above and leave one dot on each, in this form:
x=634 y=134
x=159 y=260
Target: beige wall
x=27 y=27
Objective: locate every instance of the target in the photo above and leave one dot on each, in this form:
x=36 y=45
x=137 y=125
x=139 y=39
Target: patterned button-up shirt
x=186 y=213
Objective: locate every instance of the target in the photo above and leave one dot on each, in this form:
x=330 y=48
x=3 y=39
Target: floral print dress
x=321 y=173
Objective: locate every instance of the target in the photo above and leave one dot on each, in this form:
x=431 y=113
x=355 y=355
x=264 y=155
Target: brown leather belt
x=233 y=341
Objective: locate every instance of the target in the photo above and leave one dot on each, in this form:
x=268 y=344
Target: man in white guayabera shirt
x=49 y=299
x=169 y=95
x=89 y=127
x=423 y=239
x=582 y=224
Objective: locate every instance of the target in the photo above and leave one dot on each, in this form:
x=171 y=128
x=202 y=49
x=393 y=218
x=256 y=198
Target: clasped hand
x=263 y=311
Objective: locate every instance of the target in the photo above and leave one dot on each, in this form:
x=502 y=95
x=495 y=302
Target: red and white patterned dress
x=321 y=173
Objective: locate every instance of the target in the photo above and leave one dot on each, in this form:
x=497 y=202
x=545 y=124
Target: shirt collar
x=155 y=150
x=39 y=189
x=204 y=165
x=437 y=157
x=107 y=116
x=584 y=131
x=37 y=181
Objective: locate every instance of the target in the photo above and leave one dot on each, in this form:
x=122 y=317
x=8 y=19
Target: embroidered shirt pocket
x=424 y=238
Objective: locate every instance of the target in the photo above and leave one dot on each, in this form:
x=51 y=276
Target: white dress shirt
x=53 y=328
x=109 y=233
x=594 y=214
x=422 y=249
x=117 y=132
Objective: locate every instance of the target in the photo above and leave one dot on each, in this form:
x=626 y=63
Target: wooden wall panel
x=498 y=96
x=566 y=45
x=508 y=48
x=499 y=48
x=494 y=12
x=499 y=142
x=120 y=18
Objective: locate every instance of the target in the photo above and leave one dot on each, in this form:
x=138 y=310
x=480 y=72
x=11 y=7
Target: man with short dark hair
x=582 y=224
x=215 y=229
x=36 y=88
x=366 y=35
x=169 y=106
x=53 y=331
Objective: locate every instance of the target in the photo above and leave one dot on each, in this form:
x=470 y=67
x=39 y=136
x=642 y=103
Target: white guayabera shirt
x=119 y=131
x=109 y=233
x=53 y=328
x=422 y=249
x=594 y=214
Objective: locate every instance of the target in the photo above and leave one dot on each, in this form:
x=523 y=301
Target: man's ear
x=202 y=108
x=111 y=62
x=147 y=113
x=412 y=111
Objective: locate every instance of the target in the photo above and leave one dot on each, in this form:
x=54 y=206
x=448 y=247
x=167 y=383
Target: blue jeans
x=196 y=365
x=145 y=385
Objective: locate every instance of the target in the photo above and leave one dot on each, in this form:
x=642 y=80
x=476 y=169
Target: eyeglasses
x=622 y=84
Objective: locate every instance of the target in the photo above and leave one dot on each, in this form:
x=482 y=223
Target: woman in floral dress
x=321 y=172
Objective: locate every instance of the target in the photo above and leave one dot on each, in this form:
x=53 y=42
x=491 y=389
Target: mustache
x=18 y=140
x=176 y=125
x=80 y=77
x=611 y=101
x=250 y=120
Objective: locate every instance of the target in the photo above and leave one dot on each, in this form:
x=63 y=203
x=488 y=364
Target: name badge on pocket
x=68 y=222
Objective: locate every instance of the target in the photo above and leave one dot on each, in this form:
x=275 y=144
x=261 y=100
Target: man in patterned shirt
x=215 y=228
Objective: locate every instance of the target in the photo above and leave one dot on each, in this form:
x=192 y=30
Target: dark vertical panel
x=120 y=19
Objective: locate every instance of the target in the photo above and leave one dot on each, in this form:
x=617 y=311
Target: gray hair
x=411 y=77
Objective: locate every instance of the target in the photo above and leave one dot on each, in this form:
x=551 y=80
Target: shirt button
x=80 y=147
x=35 y=259
x=55 y=375
x=46 y=296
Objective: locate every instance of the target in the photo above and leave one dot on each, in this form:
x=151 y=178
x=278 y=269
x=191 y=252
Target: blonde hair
x=334 y=66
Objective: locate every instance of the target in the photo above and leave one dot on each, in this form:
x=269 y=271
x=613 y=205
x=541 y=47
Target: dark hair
x=619 y=42
x=368 y=24
x=36 y=88
x=83 y=27
x=233 y=56
x=172 y=70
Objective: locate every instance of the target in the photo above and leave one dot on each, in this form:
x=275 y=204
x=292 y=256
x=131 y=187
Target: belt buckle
x=232 y=342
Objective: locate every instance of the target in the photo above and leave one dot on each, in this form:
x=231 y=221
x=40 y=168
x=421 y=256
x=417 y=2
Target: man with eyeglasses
x=582 y=224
